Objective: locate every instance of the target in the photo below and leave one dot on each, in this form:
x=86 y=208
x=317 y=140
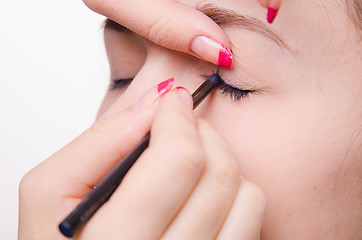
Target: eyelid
x=224 y=88
x=235 y=94
x=241 y=84
x=120 y=83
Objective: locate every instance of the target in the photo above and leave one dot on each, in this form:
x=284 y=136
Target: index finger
x=170 y=24
x=160 y=181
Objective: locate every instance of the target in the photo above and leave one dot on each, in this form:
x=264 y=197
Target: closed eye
x=120 y=83
x=234 y=93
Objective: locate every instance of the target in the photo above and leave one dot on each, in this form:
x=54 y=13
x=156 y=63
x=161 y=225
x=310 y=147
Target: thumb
x=73 y=171
x=170 y=24
x=56 y=186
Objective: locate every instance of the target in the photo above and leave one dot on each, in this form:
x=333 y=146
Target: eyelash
x=234 y=93
x=120 y=83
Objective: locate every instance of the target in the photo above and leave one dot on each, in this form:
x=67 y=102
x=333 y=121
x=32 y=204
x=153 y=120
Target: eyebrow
x=229 y=18
x=224 y=18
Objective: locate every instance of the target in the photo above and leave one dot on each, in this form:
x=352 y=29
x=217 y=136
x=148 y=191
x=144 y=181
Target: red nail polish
x=225 y=58
x=178 y=88
x=272 y=13
x=165 y=86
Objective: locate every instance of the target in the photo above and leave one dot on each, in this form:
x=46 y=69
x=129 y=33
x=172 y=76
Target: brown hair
x=354 y=8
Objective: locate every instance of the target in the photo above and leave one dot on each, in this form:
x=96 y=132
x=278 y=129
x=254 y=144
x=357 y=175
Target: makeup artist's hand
x=186 y=185
x=171 y=24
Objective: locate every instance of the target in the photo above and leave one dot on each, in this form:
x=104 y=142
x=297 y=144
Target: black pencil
x=104 y=190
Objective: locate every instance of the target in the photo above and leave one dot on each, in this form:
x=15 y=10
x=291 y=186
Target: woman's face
x=296 y=134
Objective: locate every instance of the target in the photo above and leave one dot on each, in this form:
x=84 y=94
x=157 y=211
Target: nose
x=160 y=65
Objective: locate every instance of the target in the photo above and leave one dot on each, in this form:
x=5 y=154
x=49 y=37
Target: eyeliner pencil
x=104 y=190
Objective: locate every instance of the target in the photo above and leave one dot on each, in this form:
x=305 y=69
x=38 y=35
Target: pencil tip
x=214 y=78
x=65 y=230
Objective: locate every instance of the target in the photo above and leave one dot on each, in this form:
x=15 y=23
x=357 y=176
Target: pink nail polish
x=212 y=51
x=180 y=88
x=272 y=13
x=225 y=58
x=165 y=86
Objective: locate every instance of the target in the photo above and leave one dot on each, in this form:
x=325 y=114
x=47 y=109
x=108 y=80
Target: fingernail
x=180 y=88
x=211 y=51
x=151 y=95
x=185 y=96
x=165 y=86
x=272 y=13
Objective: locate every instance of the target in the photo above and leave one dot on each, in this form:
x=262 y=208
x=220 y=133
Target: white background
x=53 y=74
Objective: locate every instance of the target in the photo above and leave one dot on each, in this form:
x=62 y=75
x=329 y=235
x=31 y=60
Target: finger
x=245 y=218
x=270 y=3
x=56 y=186
x=146 y=100
x=160 y=181
x=170 y=24
x=273 y=8
x=211 y=200
x=75 y=169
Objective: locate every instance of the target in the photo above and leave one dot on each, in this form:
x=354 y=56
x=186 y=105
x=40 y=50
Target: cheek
x=293 y=149
x=280 y=137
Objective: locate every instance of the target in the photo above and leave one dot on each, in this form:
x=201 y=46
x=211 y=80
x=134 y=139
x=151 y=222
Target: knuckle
x=189 y=149
x=227 y=174
x=25 y=184
x=96 y=131
x=159 y=31
x=256 y=194
x=30 y=184
x=187 y=159
x=104 y=7
x=191 y=157
x=107 y=126
x=264 y=3
x=182 y=116
x=93 y=4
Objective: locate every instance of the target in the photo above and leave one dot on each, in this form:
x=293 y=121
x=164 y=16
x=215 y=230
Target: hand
x=186 y=185
x=171 y=24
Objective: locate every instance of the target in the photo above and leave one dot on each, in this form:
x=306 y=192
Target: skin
x=157 y=23
x=297 y=138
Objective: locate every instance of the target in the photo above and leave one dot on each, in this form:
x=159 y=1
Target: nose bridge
x=160 y=65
